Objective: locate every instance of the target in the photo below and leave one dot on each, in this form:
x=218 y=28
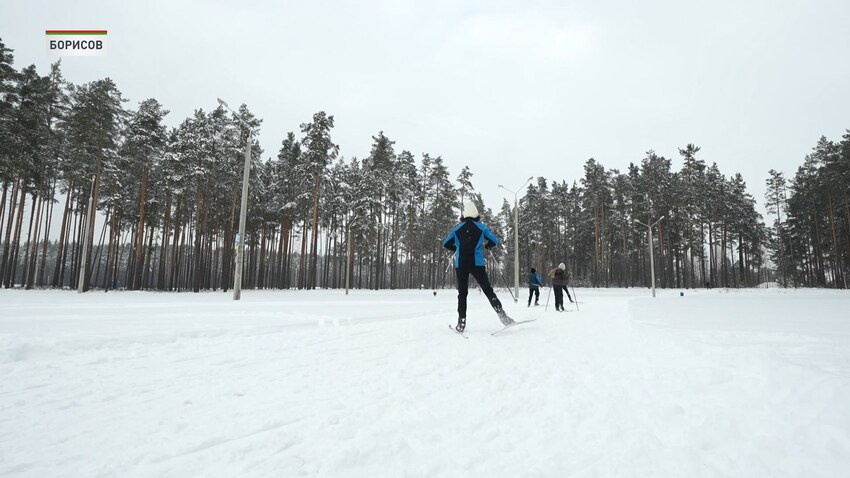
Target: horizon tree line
x=168 y=199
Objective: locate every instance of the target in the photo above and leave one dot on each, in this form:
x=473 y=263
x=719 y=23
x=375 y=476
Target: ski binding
x=459 y=333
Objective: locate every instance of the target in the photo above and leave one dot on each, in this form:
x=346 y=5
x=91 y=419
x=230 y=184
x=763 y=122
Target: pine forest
x=168 y=202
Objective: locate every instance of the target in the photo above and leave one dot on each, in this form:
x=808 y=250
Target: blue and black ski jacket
x=534 y=280
x=467 y=239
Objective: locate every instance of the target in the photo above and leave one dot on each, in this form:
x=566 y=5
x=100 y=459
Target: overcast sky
x=511 y=89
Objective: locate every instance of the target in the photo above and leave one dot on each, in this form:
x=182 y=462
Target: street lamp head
x=244 y=123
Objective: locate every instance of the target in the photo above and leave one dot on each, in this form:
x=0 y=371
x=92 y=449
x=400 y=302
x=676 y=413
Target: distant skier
x=466 y=240
x=534 y=287
x=559 y=285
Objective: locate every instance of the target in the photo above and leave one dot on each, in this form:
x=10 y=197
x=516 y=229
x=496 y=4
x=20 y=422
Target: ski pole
x=576 y=297
x=547 y=300
x=499 y=270
x=445 y=273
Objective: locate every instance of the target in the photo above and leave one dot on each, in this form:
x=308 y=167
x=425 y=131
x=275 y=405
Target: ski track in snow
x=316 y=383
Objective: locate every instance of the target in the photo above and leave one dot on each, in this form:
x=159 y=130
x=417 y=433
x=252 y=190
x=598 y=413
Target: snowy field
x=315 y=383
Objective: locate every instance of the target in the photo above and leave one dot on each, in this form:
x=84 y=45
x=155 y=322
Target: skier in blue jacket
x=534 y=287
x=467 y=240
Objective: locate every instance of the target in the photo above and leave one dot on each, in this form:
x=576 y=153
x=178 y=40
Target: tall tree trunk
x=111 y=249
x=836 y=263
x=302 y=274
x=277 y=276
x=60 y=245
x=16 y=242
x=92 y=214
x=283 y=251
x=29 y=246
x=287 y=256
x=731 y=243
x=98 y=260
x=136 y=282
x=227 y=264
x=819 y=265
x=603 y=246
x=3 y=204
x=175 y=250
x=262 y=262
x=208 y=235
x=847 y=213
x=148 y=256
x=196 y=283
x=596 y=240
x=335 y=271
x=72 y=228
x=742 y=268
x=163 y=248
x=394 y=250
x=712 y=279
x=703 y=277
x=76 y=254
x=35 y=232
x=48 y=216
x=314 y=235
x=218 y=256
x=7 y=241
x=723 y=267
x=660 y=274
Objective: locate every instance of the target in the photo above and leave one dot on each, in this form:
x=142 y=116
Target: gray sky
x=512 y=89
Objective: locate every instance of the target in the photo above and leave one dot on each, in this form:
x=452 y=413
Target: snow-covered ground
x=317 y=383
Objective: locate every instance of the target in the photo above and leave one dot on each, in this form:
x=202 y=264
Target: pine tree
x=58 y=103
x=94 y=126
x=775 y=203
x=8 y=99
x=29 y=140
x=380 y=169
x=143 y=150
x=464 y=180
x=289 y=174
x=319 y=150
x=692 y=211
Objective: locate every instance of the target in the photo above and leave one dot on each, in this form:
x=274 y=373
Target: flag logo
x=75 y=42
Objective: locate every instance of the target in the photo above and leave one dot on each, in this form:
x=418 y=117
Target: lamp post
x=651 y=247
x=516 y=236
x=243 y=211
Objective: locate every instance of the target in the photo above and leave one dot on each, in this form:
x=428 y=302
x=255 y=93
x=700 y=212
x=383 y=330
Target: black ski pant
x=559 y=296
x=533 y=291
x=480 y=275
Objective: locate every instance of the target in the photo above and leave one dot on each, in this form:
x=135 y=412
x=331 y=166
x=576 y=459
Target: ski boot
x=461 y=324
x=503 y=317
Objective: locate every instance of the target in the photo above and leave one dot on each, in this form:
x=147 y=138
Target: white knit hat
x=469 y=210
x=562 y=266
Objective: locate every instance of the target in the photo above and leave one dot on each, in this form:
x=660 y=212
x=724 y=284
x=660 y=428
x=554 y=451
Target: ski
x=511 y=325
x=455 y=331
